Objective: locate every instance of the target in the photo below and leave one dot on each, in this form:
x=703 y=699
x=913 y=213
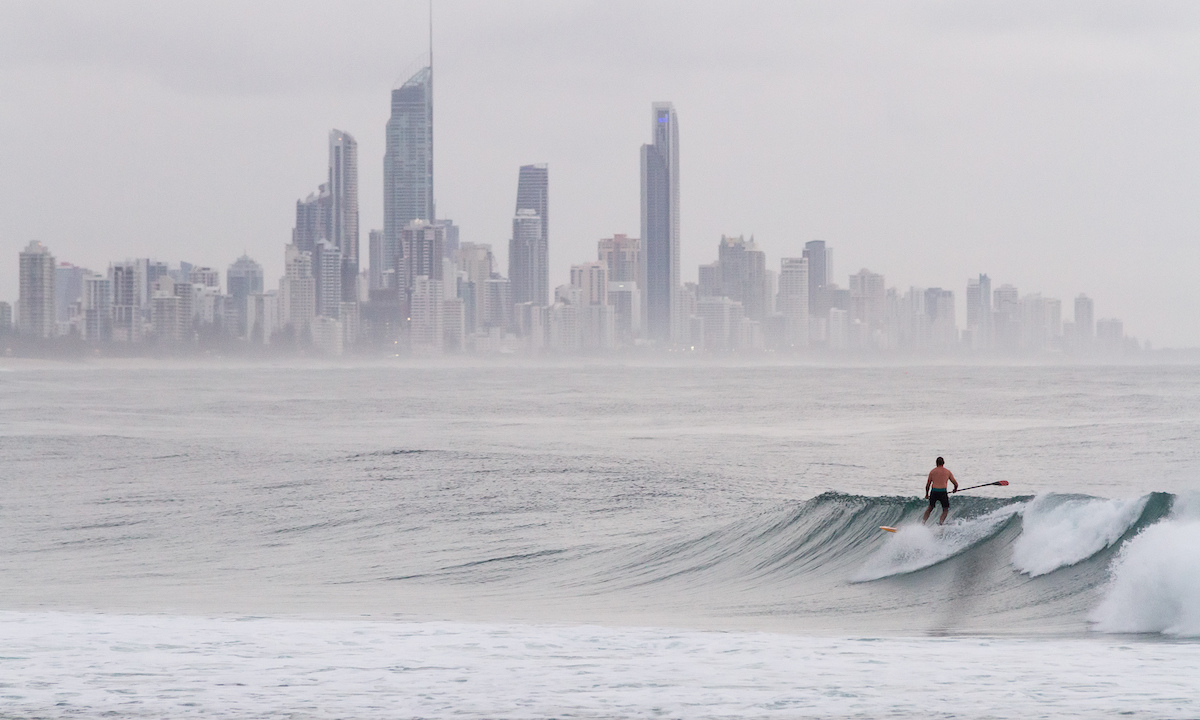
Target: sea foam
x=915 y=547
x=1155 y=583
x=1057 y=531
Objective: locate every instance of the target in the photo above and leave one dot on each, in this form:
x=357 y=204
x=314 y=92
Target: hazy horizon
x=1050 y=147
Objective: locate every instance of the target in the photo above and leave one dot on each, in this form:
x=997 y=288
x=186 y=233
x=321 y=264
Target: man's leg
x=944 y=514
x=925 y=517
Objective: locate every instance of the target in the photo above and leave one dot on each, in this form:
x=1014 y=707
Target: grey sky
x=1053 y=146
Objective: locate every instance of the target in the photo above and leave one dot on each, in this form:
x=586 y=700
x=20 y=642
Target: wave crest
x=1155 y=583
x=1058 y=531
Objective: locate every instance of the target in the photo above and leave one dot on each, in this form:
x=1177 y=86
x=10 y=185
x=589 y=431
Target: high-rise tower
x=343 y=215
x=408 y=161
x=529 y=248
x=660 y=224
x=37 y=318
x=818 y=277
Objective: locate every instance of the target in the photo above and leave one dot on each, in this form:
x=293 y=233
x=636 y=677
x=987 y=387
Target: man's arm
x=953 y=481
x=928 y=482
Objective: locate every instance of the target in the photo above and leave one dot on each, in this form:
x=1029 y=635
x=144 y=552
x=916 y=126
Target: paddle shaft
x=998 y=482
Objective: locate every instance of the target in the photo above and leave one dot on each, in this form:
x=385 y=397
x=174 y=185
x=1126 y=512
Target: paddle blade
x=1002 y=482
x=885 y=528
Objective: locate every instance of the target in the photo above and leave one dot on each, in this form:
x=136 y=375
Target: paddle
x=998 y=482
x=889 y=528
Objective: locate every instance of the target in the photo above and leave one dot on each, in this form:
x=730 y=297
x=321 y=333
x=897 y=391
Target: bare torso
x=939 y=477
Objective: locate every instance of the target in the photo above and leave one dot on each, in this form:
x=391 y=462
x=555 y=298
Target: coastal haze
x=571 y=367
x=1051 y=148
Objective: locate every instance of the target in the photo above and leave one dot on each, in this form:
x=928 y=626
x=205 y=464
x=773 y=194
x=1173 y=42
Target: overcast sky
x=1054 y=146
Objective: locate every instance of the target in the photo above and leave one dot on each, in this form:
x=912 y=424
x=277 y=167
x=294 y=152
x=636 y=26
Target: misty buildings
x=819 y=277
x=421 y=244
x=1084 y=320
x=297 y=292
x=525 y=271
x=97 y=308
x=243 y=279
x=793 y=301
x=623 y=257
x=660 y=224
x=528 y=250
x=343 y=208
x=408 y=161
x=979 y=311
x=36 y=317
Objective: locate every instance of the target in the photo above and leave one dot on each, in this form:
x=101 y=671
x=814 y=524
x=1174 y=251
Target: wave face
x=1020 y=564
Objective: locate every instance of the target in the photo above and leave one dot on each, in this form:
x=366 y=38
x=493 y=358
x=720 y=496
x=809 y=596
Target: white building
x=36 y=314
x=426 y=331
x=793 y=302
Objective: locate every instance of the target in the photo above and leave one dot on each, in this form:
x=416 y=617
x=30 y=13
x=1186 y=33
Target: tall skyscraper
x=979 y=310
x=37 y=317
x=1085 y=325
x=818 y=277
x=660 y=224
x=408 y=161
x=343 y=214
x=530 y=279
x=531 y=275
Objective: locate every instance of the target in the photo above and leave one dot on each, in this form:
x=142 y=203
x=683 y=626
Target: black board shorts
x=939 y=496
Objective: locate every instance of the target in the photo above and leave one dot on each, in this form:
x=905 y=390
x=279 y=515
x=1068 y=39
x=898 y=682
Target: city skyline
x=1022 y=238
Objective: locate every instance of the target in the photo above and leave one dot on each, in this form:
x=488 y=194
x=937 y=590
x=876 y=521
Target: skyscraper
x=421 y=253
x=243 y=279
x=531 y=274
x=793 y=300
x=327 y=280
x=408 y=161
x=979 y=310
x=36 y=309
x=312 y=219
x=660 y=224
x=818 y=277
x=530 y=280
x=343 y=210
x=1085 y=326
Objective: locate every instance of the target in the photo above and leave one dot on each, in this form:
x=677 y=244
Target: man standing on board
x=938 y=494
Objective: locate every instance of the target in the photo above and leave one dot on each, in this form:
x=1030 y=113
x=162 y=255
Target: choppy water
x=694 y=540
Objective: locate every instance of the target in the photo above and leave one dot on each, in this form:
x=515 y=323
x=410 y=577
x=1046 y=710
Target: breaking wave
x=1155 y=583
x=999 y=564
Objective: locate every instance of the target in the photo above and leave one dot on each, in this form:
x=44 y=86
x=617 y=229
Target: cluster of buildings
x=423 y=291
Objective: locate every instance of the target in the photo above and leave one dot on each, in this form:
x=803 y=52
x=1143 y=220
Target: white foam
x=85 y=667
x=914 y=546
x=1156 y=583
x=1058 y=532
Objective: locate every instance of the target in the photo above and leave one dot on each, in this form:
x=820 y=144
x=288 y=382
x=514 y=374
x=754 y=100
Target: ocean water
x=680 y=540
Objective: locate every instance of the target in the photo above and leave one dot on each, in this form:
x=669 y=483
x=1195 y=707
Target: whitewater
x=682 y=539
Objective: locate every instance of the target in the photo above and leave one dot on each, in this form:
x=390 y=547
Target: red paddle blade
x=1002 y=482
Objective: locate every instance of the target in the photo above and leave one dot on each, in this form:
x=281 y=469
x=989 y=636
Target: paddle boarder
x=936 y=492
